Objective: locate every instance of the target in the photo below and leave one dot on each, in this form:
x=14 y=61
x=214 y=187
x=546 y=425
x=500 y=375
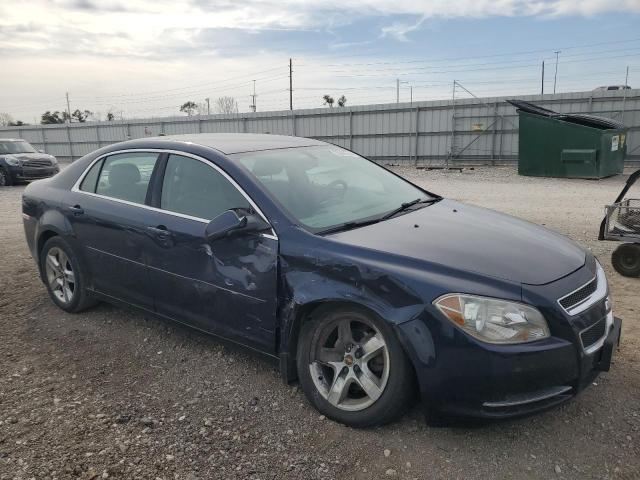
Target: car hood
x=473 y=239
x=31 y=156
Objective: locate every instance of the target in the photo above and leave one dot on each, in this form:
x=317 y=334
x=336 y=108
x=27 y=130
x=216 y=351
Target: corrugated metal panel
x=384 y=132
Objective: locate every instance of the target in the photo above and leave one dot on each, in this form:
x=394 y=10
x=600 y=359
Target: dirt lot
x=110 y=393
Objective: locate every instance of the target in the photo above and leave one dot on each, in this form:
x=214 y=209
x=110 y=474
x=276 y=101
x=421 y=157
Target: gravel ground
x=110 y=393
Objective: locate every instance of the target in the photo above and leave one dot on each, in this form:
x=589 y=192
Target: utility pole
x=68 y=109
x=397 y=90
x=290 y=85
x=208 y=106
x=555 y=77
x=624 y=97
x=253 y=104
x=542 y=91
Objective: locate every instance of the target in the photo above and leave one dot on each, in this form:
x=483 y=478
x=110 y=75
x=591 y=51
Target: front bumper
x=26 y=174
x=501 y=381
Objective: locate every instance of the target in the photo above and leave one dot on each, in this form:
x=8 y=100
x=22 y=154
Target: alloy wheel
x=630 y=259
x=349 y=363
x=60 y=275
x=3 y=178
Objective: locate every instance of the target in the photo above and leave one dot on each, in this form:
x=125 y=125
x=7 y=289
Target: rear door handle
x=76 y=210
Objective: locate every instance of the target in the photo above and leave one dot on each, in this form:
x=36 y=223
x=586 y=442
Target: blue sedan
x=365 y=288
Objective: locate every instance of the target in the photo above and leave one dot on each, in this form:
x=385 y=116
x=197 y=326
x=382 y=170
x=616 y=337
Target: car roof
x=229 y=143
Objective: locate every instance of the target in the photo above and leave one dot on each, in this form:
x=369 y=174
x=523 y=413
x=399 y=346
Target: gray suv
x=20 y=162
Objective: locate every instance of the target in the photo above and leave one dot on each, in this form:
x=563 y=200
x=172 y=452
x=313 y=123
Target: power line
x=463 y=67
x=521 y=52
x=224 y=80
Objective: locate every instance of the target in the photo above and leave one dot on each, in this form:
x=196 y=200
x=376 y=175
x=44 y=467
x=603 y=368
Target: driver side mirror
x=233 y=222
x=40 y=151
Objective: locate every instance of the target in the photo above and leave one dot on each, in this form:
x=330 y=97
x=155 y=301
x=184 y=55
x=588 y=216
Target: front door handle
x=160 y=232
x=76 y=210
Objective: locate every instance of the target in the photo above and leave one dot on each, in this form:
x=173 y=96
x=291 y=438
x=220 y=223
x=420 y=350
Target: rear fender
x=51 y=222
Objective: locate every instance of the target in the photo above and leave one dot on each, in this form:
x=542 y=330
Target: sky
x=144 y=58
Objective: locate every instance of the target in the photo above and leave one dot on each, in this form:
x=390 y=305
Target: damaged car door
x=224 y=285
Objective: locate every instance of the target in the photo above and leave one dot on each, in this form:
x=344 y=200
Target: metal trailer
x=622 y=223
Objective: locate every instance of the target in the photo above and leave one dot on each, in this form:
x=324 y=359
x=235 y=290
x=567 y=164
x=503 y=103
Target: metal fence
x=463 y=131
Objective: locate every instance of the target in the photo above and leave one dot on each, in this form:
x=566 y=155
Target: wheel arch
x=51 y=224
x=300 y=313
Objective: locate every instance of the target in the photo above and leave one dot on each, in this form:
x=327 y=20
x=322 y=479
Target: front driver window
x=192 y=187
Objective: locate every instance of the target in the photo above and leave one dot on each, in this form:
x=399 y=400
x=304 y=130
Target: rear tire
x=5 y=178
x=63 y=276
x=626 y=260
x=369 y=382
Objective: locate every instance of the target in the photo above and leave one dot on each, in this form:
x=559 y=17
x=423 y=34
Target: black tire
x=80 y=299
x=626 y=260
x=397 y=395
x=5 y=178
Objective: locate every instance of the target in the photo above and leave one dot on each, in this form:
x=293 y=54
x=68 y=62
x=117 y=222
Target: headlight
x=492 y=320
x=11 y=160
x=54 y=160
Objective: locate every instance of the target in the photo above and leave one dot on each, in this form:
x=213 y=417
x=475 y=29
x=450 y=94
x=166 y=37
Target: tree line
x=190 y=107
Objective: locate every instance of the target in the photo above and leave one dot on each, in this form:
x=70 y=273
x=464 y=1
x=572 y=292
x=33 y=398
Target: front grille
x=592 y=334
x=579 y=295
x=37 y=163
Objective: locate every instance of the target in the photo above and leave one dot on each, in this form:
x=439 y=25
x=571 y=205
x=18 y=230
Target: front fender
x=306 y=282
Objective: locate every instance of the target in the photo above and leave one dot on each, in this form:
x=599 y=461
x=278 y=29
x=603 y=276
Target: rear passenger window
x=194 y=188
x=126 y=176
x=91 y=178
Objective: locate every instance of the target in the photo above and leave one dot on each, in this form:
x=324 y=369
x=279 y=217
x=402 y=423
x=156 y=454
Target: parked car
x=612 y=87
x=20 y=162
x=358 y=283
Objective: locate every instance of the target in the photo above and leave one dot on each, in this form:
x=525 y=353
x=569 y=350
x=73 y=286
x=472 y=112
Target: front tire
x=63 y=276
x=352 y=367
x=626 y=260
x=5 y=178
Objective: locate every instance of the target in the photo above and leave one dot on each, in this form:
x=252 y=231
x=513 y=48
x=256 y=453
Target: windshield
x=327 y=186
x=15 y=147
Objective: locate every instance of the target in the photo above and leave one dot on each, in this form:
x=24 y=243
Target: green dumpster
x=568 y=145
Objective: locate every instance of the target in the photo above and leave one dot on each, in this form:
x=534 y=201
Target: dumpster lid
x=592 y=121
x=531 y=108
x=577 y=118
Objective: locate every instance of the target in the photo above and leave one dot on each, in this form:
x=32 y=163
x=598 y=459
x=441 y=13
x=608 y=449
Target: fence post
x=350 y=129
x=98 y=135
x=70 y=144
x=44 y=140
x=500 y=143
x=293 y=124
x=415 y=150
x=493 y=133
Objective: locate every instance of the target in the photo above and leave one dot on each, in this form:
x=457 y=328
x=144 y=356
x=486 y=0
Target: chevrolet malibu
x=364 y=287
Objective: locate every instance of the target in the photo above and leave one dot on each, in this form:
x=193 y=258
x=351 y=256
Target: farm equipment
x=622 y=223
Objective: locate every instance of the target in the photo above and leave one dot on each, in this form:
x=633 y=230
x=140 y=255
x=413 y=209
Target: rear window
x=90 y=180
x=123 y=176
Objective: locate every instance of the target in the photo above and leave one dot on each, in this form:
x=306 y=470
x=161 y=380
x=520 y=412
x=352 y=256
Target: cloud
x=399 y=30
x=157 y=27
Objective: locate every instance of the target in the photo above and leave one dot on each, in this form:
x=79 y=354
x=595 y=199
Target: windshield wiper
x=406 y=205
x=357 y=224
x=348 y=226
